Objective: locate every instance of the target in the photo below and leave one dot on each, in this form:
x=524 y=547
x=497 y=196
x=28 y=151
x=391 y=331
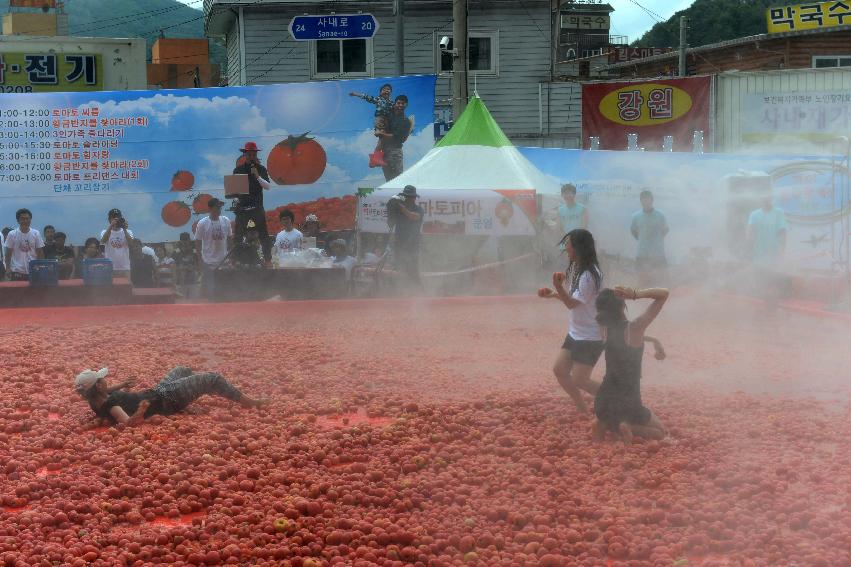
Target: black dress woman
x=172 y=394
x=618 y=404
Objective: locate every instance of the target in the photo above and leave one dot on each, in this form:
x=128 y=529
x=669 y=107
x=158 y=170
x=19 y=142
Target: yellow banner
x=50 y=72
x=808 y=16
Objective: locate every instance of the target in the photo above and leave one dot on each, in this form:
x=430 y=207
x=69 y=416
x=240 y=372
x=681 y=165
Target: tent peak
x=475 y=127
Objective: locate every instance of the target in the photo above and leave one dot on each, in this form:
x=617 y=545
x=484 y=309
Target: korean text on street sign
x=808 y=16
x=336 y=26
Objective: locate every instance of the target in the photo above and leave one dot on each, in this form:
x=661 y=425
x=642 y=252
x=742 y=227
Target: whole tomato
x=176 y=213
x=199 y=203
x=182 y=180
x=298 y=160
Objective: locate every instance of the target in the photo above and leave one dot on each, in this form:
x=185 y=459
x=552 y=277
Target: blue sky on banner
x=201 y=130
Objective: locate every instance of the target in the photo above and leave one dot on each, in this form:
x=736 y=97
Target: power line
x=665 y=25
x=534 y=21
x=649 y=12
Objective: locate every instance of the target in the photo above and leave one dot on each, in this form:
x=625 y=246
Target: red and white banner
x=652 y=109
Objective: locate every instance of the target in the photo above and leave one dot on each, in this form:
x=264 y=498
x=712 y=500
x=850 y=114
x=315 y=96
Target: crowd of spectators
x=182 y=265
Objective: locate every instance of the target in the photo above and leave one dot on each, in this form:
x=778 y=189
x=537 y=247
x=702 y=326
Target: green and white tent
x=474 y=154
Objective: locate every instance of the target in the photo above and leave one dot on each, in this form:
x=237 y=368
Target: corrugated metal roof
x=727 y=43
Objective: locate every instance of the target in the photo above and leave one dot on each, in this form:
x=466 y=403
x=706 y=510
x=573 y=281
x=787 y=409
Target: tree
x=711 y=21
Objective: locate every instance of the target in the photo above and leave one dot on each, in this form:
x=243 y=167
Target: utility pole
x=683 y=45
x=459 y=60
x=400 y=37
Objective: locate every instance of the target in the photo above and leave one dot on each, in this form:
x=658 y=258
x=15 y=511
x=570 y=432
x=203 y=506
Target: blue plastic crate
x=44 y=272
x=97 y=271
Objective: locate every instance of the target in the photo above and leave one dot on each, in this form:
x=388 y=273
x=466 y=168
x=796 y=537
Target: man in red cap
x=251 y=205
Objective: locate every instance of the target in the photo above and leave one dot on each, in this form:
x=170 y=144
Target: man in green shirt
x=649 y=228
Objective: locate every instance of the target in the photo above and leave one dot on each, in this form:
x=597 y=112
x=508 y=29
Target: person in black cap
x=250 y=207
x=171 y=395
x=212 y=241
x=116 y=240
x=405 y=218
x=248 y=254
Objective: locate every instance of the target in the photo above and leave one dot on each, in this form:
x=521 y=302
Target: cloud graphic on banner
x=417 y=145
x=84 y=216
x=307 y=107
x=175 y=111
x=362 y=144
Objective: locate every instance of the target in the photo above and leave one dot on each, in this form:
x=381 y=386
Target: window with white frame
x=341 y=58
x=827 y=61
x=482 y=53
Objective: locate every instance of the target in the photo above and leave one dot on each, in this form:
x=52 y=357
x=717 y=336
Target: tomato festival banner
x=160 y=155
x=652 y=109
x=460 y=212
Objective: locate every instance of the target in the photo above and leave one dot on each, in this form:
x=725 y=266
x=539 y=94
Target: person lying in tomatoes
x=173 y=394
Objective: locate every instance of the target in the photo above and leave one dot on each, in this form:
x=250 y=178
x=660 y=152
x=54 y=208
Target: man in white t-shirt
x=212 y=242
x=290 y=239
x=22 y=245
x=116 y=245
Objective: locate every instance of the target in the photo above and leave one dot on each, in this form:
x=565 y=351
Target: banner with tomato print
x=159 y=156
x=652 y=109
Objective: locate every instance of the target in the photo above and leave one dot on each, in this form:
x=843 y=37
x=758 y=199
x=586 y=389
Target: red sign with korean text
x=622 y=54
x=651 y=109
x=32 y=3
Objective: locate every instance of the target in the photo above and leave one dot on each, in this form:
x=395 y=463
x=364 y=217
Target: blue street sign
x=336 y=26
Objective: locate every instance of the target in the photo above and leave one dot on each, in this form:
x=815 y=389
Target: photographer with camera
x=250 y=206
x=405 y=218
x=116 y=240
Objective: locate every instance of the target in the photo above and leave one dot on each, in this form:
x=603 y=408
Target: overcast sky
x=628 y=19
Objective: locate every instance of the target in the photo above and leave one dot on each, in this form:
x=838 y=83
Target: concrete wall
x=180 y=51
x=123 y=59
x=26 y=23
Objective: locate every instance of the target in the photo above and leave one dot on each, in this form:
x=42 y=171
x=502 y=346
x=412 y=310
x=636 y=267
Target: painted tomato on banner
x=298 y=160
x=199 y=203
x=176 y=213
x=182 y=181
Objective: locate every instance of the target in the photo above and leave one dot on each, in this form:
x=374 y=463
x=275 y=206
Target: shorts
x=583 y=352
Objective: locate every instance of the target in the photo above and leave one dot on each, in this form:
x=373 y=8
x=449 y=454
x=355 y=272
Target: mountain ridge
x=710 y=21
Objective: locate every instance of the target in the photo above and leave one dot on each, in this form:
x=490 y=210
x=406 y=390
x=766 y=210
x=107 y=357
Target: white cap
x=88 y=378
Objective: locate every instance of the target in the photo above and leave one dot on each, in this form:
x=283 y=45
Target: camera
x=444 y=43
